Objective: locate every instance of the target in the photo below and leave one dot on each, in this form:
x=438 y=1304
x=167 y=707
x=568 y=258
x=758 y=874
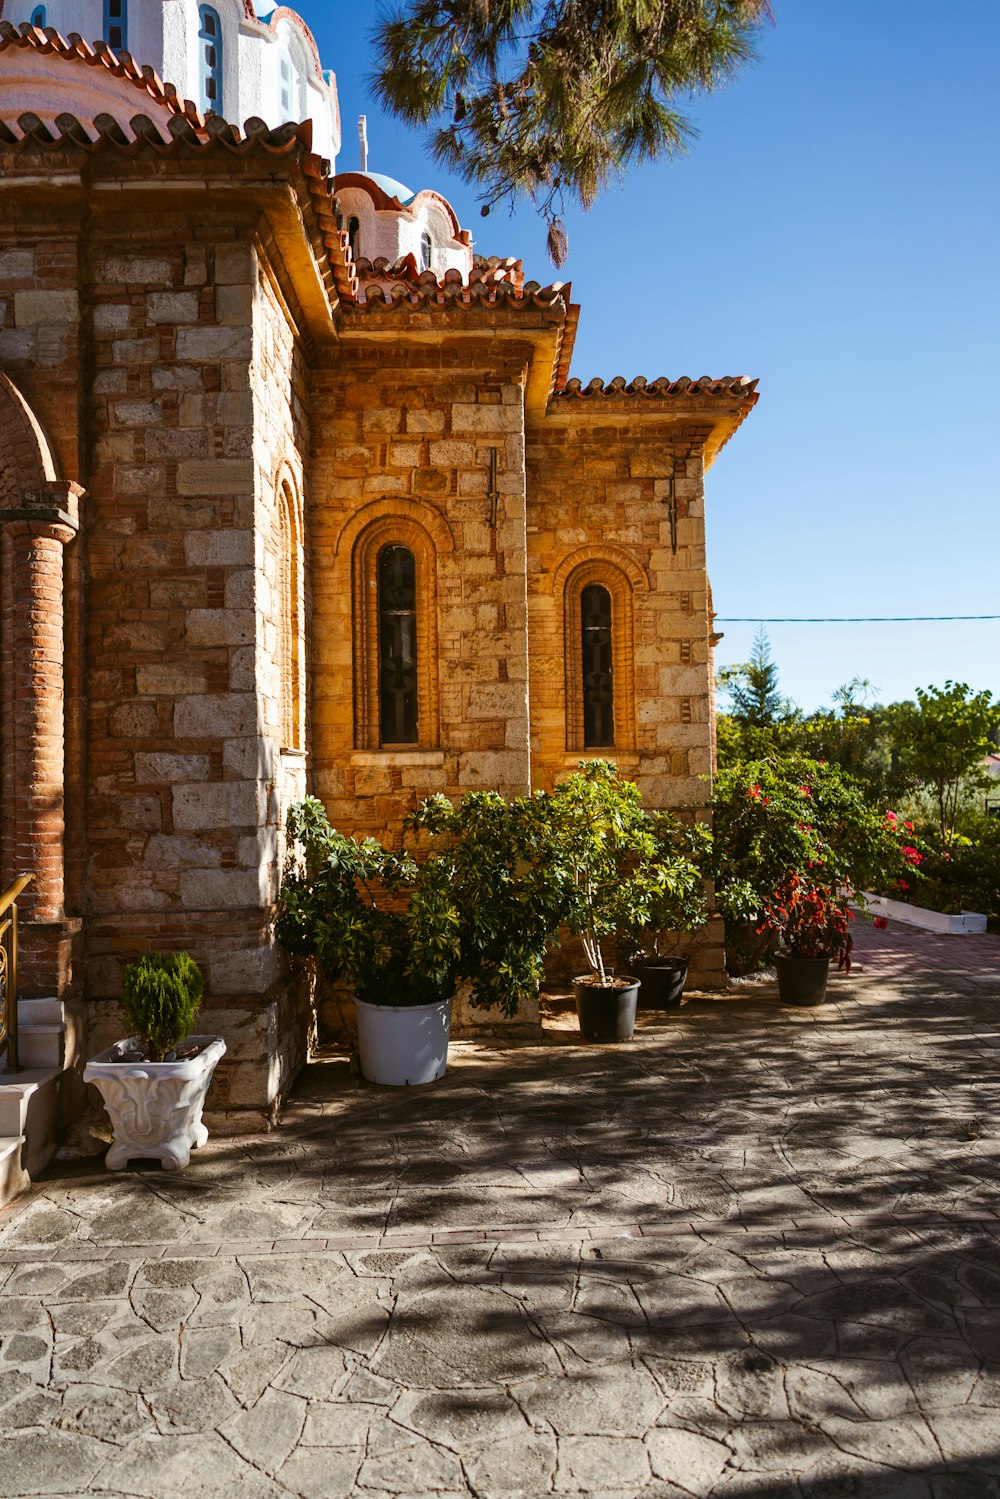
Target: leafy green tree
x=940 y=741
x=855 y=735
x=550 y=99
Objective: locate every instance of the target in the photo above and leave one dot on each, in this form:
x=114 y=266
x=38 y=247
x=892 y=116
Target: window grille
x=426 y=247
x=397 y=645
x=598 y=685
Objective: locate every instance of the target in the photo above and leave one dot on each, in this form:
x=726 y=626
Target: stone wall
x=600 y=497
x=184 y=805
x=402 y=438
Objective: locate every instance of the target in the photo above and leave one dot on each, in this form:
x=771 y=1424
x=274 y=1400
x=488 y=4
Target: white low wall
x=967 y=924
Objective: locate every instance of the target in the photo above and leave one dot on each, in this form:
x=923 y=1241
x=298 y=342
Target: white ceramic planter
x=155 y=1107
x=402 y=1045
x=967 y=924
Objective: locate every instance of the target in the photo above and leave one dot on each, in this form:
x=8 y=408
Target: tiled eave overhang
x=493 y=303
x=716 y=406
x=275 y=170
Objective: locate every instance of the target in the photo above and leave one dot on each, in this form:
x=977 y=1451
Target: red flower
x=880 y=923
x=806 y=791
x=890 y=816
x=912 y=855
x=753 y=793
x=908 y=826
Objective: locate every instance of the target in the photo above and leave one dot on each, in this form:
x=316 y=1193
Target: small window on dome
x=210 y=59
x=38 y=16
x=116 y=24
x=286 y=86
x=426 y=248
x=354 y=236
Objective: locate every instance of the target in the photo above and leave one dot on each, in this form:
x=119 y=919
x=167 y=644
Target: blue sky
x=835 y=231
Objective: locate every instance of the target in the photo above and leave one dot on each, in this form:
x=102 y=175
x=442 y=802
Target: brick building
x=277 y=515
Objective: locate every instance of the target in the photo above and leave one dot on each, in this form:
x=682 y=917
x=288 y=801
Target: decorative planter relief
x=155 y=1107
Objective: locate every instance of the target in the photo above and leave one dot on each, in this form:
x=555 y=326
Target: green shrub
x=162 y=994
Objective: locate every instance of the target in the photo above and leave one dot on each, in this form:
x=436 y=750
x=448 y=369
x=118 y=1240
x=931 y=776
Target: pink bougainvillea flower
x=880 y=923
x=753 y=792
x=891 y=816
x=908 y=826
x=912 y=855
x=806 y=790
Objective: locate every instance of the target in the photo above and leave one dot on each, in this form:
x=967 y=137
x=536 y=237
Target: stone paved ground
x=755 y=1253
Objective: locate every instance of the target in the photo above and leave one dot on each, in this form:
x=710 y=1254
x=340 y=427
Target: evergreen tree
x=753 y=687
x=550 y=99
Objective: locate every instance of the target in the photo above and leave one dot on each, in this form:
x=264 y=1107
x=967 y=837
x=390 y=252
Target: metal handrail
x=8 y=971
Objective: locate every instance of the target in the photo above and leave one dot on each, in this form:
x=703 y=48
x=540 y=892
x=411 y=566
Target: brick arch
x=623 y=577
x=418 y=512
x=614 y=556
x=26 y=461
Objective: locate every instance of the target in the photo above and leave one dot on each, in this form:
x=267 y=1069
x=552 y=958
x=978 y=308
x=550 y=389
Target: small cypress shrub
x=162 y=994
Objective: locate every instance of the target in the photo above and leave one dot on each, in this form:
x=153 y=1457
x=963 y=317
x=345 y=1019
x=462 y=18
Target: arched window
x=210 y=59
x=116 y=24
x=397 y=646
x=38 y=16
x=426 y=248
x=395 y=545
x=599 y=586
x=598 y=670
x=354 y=236
x=292 y=605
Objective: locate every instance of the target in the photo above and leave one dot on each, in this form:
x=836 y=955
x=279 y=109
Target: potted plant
x=788 y=814
x=403 y=930
x=601 y=855
x=677 y=905
x=813 y=923
x=375 y=919
x=154 y=1083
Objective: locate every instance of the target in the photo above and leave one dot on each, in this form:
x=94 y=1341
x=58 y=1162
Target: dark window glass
x=397 y=646
x=354 y=237
x=426 y=246
x=38 y=16
x=598 y=692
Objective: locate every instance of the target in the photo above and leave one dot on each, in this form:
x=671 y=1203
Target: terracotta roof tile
x=74 y=49
x=452 y=291
x=728 y=385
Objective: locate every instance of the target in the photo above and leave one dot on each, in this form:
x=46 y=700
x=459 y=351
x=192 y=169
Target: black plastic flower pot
x=801 y=981
x=662 y=982
x=606 y=1011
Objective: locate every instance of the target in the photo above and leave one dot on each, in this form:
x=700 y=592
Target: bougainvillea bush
x=791 y=815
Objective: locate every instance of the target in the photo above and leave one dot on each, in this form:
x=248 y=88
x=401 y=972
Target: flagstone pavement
x=756 y=1252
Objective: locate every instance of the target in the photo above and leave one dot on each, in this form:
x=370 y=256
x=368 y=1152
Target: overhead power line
x=848 y=619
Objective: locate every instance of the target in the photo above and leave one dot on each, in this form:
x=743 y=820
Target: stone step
x=30 y=1098
x=41 y=1029
x=40 y=1012
x=14 y=1178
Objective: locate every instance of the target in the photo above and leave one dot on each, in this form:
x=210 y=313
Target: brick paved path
x=755 y=1253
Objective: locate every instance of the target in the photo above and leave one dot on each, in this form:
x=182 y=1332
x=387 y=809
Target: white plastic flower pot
x=155 y=1107
x=403 y=1045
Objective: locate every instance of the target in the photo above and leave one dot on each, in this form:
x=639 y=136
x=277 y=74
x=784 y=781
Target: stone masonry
x=209 y=430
